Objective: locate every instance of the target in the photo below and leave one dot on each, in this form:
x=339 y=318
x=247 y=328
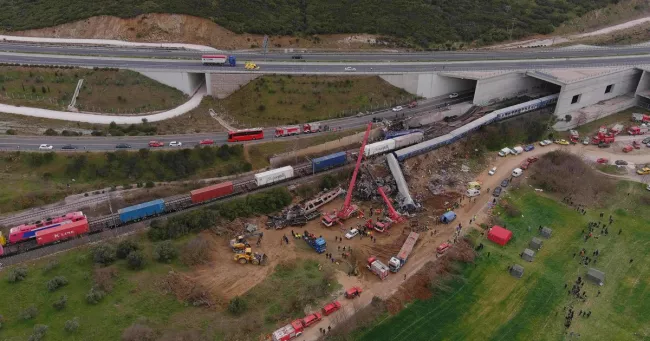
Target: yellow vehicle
x=251 y=66
x=562 y=142
x=474 y=184
x=249 y=257
x=239 y=244
x=643 y=171
x=3 y=241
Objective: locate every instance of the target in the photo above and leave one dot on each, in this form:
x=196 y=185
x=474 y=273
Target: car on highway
x=206 y=142
x=492 y=171
x=545 y=143
x=156 y=144
x=45 y=147
x=496 y=192
x=529 y=148
x=68 y=147
x=350 y=68
x=646 y=140
x=562 y=142
x=175 y=144
x=296 y=57
x=620 y=163
x=122 y=146
x=505 y=183
x=602 y=160
x=453 y=95
x=397 y=108
x=351 y=234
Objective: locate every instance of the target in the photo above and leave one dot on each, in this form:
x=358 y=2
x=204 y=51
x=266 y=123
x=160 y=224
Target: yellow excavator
x=250 y=257
x=3 y=240
x=251 y=66
x=239 y=244
x=643 y=171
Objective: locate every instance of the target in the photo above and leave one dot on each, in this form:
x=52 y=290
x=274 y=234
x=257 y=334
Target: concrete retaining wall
x=184 y=81
x=429 y=85
x=221 y=85
x=499 y=88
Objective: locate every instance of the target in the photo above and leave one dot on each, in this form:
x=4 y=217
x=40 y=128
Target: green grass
x=278 y=100
x=416 y=22
x=486 y=303
x=624 y=117
x=102 y=91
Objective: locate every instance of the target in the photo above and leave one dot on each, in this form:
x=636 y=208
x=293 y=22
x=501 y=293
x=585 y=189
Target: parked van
x=518 y=150
x=505 y=152
x=517 y=172
x=473 y=192
x=474 y=184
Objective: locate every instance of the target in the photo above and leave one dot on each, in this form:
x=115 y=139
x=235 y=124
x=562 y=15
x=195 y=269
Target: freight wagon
x=211 y=192
x=28 y=231
x=407 y=140
x=274 y=175
x=328 y=161
x=65 y=231
x=140 y=211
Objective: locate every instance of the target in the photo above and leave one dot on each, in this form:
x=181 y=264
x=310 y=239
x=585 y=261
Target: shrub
x=39 y=332
x=17 y=274
x=135 y=260
x=237 y=305
x=11 y=132
x=104 y=254
x=95 y=295
x=51 y=265
x=51 y=132
x=71 y=325
x=60 y=303
x=29 y=313
x=125 y=247
x=165 y=252
x=138 y=332
x=196 y=251
x=149 y=184
x=56 y=283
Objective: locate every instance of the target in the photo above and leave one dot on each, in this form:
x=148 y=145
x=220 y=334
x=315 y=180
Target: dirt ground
x=178 y=28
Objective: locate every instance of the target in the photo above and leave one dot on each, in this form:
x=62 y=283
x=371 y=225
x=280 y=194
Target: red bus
x=245 y=135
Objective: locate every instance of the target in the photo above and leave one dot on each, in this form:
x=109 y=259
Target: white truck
x=517 y=150
x=377 y=267
x=505 y=152
x=396 y=263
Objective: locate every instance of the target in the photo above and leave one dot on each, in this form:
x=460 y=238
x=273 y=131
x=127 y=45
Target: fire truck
x=287 y=131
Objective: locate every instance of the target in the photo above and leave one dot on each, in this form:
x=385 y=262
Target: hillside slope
x=421 y=22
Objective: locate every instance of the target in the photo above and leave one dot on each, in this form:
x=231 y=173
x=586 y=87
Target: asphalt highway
x=322 y=68
x=379 y=56
x=108 y=143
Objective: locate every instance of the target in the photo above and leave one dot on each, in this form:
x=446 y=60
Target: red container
x=211 y=192
x=63 y=232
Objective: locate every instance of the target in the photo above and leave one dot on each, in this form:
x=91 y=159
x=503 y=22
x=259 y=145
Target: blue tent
x=448 y=217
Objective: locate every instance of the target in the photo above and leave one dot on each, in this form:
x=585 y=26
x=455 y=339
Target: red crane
x=392 y=213
x=348 y=209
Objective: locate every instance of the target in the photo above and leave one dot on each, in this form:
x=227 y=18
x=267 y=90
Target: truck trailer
x=219 y=59
x=377 y=267
x=396 y=263
x=274 y=175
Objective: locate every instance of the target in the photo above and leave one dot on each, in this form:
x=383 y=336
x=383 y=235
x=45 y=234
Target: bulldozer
x=239 y=244
x=250 y=257
x=251 y=66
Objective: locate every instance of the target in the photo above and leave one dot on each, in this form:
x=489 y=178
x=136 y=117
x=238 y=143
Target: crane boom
x=394 y=215
x=347 y=208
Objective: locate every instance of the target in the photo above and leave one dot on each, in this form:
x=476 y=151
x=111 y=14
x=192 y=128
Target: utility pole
x=512 y=27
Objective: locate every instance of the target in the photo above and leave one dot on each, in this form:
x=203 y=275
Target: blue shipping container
x=140 y=211
x=328 y=161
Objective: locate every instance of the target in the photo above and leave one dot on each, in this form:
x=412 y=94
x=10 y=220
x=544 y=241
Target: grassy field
x=145 y=297
x=277 y=100
x=624 y=117
x=102 y=91
x=489 y=304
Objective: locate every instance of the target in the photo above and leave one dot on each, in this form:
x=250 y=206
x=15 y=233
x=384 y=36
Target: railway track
x=106 y=227
x=38 y=214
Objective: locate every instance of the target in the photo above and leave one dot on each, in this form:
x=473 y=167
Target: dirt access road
x=425 y=252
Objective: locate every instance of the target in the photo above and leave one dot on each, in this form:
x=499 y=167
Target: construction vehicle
x=644 y=171
x=239 y=244
x=606 y=138
x=638 y=130
x=317 y=243
x=3 y=240
x=251 y=66
x=249 y=256
x=348 y=209
x=397 y=262
x=377 y=267
x=616 y=129
x=574 y=136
